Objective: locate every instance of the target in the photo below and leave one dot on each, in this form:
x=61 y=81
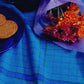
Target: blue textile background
x=37 y=61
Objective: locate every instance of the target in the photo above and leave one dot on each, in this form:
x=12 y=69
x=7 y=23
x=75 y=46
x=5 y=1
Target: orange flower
x=81 y=32
x=70 y=17
x=82 y=18
x=73 y=8
x=48 y=27
x=82 y=14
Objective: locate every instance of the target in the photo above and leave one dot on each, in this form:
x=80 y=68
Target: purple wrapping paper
x=40 y=22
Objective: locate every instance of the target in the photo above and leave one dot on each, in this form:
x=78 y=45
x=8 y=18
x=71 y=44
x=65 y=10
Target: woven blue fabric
x=37 y=61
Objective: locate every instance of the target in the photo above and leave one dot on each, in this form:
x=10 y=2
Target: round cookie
x=8 y=29
x=2 y=19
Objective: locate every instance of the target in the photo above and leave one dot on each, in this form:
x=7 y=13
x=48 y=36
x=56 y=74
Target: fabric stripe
x=39 y=56
x=44 y=59
x=33 y=77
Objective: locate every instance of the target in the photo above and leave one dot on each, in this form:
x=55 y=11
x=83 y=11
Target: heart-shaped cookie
x=8 y=29
x=2 y=19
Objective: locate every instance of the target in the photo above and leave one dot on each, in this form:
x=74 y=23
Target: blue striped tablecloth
x=37 y=61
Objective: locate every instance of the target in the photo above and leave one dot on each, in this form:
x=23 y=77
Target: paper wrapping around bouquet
x=40 y=22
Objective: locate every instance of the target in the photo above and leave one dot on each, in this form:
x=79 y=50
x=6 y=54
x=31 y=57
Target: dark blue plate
x=12 y=13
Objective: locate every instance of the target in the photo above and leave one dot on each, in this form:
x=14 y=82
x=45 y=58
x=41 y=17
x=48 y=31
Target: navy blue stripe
x=33 y=77
x=17 y=75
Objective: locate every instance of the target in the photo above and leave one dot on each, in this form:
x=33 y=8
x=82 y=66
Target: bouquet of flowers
x=61 y=21
x=67 y=27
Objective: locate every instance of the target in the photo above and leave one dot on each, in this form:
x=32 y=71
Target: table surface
x=37 y=61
